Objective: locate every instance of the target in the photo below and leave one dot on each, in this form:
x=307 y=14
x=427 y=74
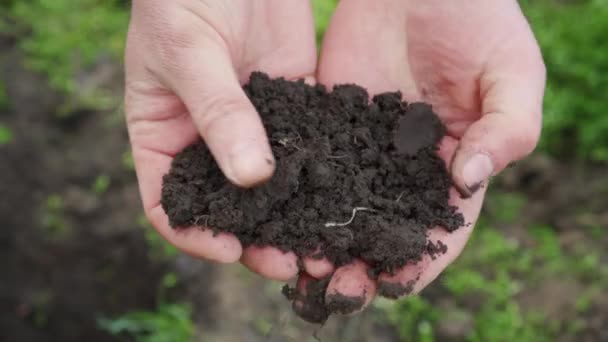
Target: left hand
x=479 y=65
x=185 y=63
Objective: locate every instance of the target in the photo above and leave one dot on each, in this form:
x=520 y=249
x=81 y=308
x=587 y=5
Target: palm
x=434 y=56
x=275 y=36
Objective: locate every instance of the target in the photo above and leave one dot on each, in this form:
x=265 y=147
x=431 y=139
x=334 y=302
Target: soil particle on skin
x=436 y=249
x=341 y=304
x=395 y=290
x=354 y=178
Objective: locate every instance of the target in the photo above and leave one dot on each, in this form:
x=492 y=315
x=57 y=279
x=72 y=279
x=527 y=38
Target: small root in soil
x=343 y=224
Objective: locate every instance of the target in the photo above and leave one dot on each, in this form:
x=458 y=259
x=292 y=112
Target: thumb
x=510 y=125
x=204 y=78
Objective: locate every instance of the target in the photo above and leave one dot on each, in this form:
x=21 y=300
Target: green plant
x=53 y=217
x=66 y=37
x=506 y=207
x=127 y=160
x=3 y=95
x=170 y=322
x=547 y=247
x=575 y=101
x=322 y=9
x=508 y=323
x=413 y=317
x=262 y=325
x=101 y=184
x=6 y=135
x=491 y=270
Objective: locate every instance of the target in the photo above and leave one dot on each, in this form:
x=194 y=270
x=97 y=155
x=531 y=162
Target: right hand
x=477 y=62
x=185 y=63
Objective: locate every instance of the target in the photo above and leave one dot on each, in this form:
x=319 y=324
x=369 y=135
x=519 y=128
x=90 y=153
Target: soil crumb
x=354 y=178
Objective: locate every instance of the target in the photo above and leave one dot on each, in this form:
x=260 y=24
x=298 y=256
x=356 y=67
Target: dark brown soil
x=355 y=179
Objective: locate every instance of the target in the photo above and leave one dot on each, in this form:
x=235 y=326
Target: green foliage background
x=574 y=41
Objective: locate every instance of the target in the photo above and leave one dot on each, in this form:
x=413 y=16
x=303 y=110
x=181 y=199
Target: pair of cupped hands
x=476 y=61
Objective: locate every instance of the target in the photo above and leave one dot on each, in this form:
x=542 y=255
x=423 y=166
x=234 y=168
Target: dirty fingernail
x=250 y=164
x=341 y=304
x=477 y=170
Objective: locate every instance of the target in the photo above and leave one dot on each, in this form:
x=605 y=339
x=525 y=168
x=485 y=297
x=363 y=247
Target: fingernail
x=250 y=164
x=477 y=170
x=341 y=304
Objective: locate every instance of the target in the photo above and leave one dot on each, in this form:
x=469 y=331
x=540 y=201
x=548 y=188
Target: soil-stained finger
x=350 y=289
x=271 y=262
x=309 y=298
x=402 y=282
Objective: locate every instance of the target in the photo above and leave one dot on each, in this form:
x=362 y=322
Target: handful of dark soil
x=354 y=178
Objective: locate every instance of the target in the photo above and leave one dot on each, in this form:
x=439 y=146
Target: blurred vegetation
x=63 y=38
x=101 y=184
x=3 y=96
x=6 y=135
x=491 y=273
x=572 y=35
x=171 y=322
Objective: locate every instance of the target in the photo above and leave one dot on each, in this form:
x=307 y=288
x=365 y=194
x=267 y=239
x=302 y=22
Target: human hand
x=478 y=64
x=185 y=62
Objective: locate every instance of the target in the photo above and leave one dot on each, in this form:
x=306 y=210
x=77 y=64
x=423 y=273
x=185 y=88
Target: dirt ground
x=70 y=261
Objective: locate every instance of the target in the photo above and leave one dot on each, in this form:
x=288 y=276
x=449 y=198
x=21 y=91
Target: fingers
x=362 y=44
x=350 y=289
x=154 y=114
x=402 y=282
x=198 y=243
x=309 y=299
x=271 y=262
x=150 y=165
x=193 y=60
x=512 y=90
x=223 y=115
x=318 y=267
x=274 y=264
